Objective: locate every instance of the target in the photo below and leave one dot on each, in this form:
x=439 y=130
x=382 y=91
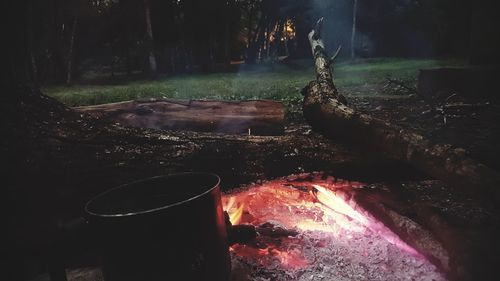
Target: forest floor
x=74 y=156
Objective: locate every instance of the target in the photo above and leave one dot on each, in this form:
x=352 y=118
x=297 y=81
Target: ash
x=361 y=257
x=313 y=242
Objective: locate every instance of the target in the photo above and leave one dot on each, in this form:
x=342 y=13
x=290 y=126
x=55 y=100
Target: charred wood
x=271 y=230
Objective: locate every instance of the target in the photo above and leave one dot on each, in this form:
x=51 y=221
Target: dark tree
x=353 y=33
x=149 y=38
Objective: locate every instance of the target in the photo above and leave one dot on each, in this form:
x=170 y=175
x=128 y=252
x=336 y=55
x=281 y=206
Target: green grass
x=279 y=82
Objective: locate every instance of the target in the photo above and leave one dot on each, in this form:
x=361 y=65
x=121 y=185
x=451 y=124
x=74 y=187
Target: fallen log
x=255 y=117
x=327 y=112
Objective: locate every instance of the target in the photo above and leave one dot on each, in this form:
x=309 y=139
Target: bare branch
x=332 y=59
x=315 y=36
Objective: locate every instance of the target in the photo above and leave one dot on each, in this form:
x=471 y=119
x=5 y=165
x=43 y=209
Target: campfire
x=309 y=227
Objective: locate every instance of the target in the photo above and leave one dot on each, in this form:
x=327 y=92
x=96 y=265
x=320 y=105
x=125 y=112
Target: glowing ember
x=330 y=199
x=308 y=225
x=290 y=259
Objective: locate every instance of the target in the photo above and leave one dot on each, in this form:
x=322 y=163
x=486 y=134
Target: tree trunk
x=285 y=41
x=15 y=68
x=127 y=59
x=112 y=62
x=149 y=35
x=58 y=64
x=254 y=48
x=31 y=46
x=211 y=51
x=327 y=112
x=71 y=49
x=250 y=25
x=173 y=56
x=353 y=33
x=34 y=68
x=267 y=44
x=227 y=60
x=227 y=40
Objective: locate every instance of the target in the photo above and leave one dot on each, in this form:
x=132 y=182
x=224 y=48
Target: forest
x=59 y=41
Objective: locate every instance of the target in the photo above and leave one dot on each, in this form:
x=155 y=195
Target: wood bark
x=328 y=112
x=259 y=117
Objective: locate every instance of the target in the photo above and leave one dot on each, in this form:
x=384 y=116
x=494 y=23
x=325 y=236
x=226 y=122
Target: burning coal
x=309 y=227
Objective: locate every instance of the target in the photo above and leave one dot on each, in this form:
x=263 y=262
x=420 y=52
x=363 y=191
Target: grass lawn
x=280 y=82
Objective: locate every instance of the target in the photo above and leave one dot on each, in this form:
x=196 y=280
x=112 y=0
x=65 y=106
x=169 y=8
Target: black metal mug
x=162 y=228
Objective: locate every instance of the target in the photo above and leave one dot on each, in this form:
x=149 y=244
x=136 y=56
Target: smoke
x=384 y=28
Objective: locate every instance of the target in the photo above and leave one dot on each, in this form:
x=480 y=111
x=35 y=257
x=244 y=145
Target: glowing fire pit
x=310 y=229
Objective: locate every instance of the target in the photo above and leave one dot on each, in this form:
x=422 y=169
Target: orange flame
x=235 y=213
x=235 y=216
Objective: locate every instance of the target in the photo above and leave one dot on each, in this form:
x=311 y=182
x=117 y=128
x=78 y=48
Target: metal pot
x=162 y=228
